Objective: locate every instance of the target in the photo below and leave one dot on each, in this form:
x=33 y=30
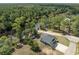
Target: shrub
x=35 y=47
x=5 y=50
x=4 y=40
x=27 y=40
x=15 y=42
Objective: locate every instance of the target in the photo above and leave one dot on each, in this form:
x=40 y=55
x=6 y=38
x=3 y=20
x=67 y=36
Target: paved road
x=73 y=40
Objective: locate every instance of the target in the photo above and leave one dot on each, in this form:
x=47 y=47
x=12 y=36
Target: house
x=49 y=40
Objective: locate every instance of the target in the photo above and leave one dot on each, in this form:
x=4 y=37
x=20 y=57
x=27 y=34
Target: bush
x=35 y=47
x=27 y=40
x=4 y=40
x=5 y=50
x=15 y=42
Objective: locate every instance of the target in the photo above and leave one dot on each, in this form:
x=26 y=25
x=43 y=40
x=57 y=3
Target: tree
x=65 y=25
x=6 y=21
x=19 y=22
x=14 y=42
x=35 y=47
x=17 y=28
x=55 y=22
x=2 y=26
x=5 y=45
x=4 y=40
x=42 y=22
x=5 y=50
x=75 y=27
x=27 y=40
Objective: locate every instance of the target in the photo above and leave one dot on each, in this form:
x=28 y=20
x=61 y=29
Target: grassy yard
x=77 y=49
x=62 y=40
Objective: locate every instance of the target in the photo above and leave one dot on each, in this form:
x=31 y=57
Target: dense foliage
x=17 y=23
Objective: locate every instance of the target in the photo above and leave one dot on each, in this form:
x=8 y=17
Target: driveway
x=62 y=48
x=71 y=50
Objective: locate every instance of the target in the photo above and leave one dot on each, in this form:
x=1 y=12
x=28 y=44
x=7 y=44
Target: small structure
x=49 y=40
x=37 y=26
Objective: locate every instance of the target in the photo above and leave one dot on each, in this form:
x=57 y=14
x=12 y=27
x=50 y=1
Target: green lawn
x=77 y=49
x=62 y=40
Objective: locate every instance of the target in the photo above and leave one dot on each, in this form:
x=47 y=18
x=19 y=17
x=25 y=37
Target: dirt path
x=25 y=50
x=47 y=51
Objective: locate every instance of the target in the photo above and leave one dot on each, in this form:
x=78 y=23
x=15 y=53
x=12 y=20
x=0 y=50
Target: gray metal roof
x=47 y=38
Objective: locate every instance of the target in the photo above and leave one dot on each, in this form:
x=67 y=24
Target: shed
x=37 y=26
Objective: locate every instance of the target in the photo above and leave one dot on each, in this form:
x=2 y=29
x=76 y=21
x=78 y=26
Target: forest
x=17 y=23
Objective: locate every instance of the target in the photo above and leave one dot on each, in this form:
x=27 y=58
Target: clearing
x=45 y=50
